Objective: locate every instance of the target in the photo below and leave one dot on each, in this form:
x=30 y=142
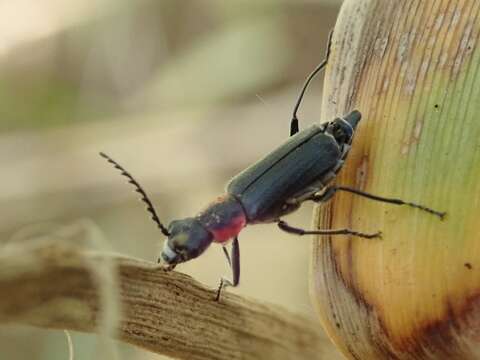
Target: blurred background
x=184 y=94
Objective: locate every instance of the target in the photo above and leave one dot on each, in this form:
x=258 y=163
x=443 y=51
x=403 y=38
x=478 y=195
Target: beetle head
x=187 y=239
x=342 y=129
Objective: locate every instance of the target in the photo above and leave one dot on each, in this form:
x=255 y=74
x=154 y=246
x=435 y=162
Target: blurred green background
x=184 y=94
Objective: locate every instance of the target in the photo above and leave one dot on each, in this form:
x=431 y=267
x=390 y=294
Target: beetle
x=302 y=169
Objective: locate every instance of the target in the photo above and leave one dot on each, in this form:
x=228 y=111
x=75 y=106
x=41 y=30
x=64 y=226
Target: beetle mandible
x=302 y=169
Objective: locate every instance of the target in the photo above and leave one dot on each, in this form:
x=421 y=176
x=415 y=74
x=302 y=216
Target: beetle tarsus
x=219 y=290
x=234 y=263
x=223 y=284
x=440 y=214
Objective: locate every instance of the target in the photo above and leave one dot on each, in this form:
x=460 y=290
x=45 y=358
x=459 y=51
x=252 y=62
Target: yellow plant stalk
x=412 y=69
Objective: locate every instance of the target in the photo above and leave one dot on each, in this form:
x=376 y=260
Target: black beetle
x=299 y=170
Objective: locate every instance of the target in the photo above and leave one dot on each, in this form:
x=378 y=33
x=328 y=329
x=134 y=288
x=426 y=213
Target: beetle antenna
x=294 y=121
x=138 y=189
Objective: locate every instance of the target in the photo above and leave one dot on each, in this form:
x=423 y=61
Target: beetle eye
x=341 y=131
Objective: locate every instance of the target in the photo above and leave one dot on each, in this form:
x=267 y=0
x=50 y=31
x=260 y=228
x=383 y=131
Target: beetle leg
x=294 y=121
x=227 y=255
x=297 y=231
x=324 y=196
x=394 y=201
x=309 y=192
x=234 y=263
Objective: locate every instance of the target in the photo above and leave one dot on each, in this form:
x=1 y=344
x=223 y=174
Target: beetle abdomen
x=263 y=187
